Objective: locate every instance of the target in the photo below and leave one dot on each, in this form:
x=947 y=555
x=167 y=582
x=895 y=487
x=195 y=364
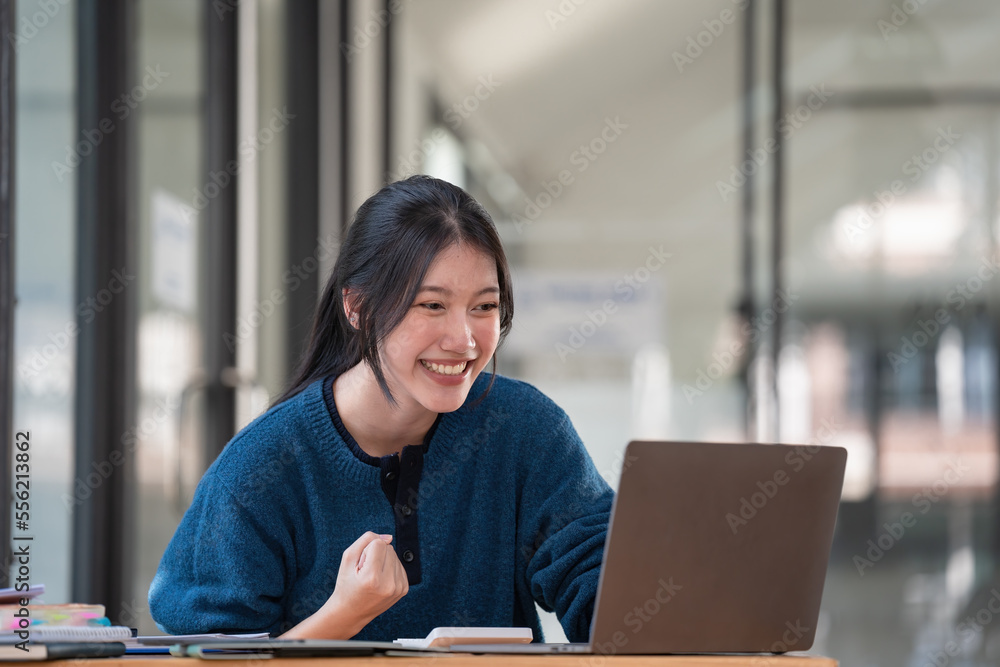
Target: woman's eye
x=433 y=306
x=489 y=306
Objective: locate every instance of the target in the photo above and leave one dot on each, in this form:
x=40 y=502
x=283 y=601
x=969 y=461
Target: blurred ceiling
x=561 y=75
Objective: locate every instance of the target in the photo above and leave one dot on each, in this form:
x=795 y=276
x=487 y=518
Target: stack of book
x=39 y=630
x=30 y=631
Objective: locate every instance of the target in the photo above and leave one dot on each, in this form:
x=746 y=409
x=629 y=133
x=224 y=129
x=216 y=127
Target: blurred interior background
x=727 y=220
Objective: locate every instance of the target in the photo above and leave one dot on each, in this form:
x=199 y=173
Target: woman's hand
x=370 y=580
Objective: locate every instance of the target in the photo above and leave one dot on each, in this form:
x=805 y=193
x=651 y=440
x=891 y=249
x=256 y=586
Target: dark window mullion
x=217 y=269
x=302 y=200
x=7 y=295
x=105 y=366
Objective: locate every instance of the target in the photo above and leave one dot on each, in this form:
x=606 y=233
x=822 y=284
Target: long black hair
x=394 y=237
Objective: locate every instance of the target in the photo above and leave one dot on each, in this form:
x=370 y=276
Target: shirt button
x=405 y=510
x=408 y=556
x=390 y=475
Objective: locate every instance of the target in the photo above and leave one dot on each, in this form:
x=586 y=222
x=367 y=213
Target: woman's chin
x=446 y=404
x=446 y=394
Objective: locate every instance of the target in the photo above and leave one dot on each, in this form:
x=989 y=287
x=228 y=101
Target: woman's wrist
x=330 y=621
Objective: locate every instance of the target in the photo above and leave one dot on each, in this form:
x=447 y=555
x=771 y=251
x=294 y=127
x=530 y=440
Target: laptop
x=713 y=548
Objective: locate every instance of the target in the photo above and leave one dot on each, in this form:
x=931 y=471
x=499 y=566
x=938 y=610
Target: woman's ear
x=348 y=300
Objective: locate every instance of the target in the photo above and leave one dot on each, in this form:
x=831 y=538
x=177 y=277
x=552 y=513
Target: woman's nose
x=457 y=336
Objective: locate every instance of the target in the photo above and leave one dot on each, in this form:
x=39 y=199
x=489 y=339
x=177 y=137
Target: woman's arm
x=563 y=515
x=222 y=571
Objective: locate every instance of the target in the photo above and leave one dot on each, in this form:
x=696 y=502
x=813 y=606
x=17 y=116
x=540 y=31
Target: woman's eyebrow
x=493 y=289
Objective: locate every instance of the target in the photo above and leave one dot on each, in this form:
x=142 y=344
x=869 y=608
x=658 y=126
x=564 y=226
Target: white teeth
x=445 y=370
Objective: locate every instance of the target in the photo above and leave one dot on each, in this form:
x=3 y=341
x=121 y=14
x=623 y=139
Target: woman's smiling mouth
x=456 y=369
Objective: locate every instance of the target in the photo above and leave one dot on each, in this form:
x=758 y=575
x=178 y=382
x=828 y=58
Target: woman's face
x=449 y=334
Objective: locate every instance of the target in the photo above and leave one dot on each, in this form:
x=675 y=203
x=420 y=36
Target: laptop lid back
x=717 y=548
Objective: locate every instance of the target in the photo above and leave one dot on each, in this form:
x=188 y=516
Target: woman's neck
x=378 y=427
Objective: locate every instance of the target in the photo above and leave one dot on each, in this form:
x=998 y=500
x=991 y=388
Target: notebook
x=160 y=644
x=61 y=651
x=439 y=640
x=57 y=633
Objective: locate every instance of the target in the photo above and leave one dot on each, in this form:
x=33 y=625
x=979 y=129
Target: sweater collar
x=346 y=436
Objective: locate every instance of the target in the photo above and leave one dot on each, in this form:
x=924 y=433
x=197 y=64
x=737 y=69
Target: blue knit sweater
x=511 y=511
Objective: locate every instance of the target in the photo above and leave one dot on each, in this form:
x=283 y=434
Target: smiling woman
x=445 y=340
x=307 y=523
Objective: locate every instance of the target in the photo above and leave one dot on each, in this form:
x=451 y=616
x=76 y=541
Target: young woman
x=396 y=486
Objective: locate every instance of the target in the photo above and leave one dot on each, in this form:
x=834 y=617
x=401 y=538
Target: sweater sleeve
x=221 y=572
x=564 y=510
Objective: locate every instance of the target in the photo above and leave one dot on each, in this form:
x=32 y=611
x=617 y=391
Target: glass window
x=49 y=149
x=171 y=196
x=891 y=213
